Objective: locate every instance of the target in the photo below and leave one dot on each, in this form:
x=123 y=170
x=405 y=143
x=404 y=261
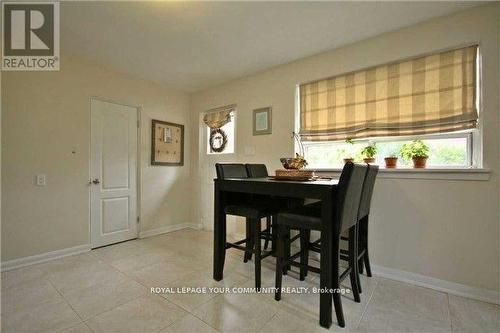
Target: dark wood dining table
x=314 y=189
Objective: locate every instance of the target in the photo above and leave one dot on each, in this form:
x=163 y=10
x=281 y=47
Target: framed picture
x=262 y=121
x=167 y=143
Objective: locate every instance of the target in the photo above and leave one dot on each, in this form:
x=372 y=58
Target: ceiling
x=194 y=45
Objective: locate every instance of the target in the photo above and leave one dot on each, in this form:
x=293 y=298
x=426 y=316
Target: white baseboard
x=485 y=295
x=170 y=228
x=43 y=257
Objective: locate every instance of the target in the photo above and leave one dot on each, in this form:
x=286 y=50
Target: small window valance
x=430 y=94
x=216 y=118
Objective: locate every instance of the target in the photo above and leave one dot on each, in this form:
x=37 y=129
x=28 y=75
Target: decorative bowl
x=294 y=163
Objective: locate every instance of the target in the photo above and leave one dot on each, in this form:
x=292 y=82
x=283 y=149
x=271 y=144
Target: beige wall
x=446 y=229
x=46 y=115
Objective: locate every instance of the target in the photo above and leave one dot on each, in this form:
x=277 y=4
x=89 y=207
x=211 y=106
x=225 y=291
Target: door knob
x=96 y=181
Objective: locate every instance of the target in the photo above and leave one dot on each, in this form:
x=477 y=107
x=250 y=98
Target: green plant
x=369 y=151
x=416 y=148
x=348 y=152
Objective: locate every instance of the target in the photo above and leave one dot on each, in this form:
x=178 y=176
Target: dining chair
x=259 y=171
x=256 y=170
x=364 y=213
x=252 y=210
x=307 y=218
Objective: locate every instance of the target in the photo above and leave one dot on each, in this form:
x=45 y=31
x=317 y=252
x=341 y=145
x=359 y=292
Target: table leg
x=219 y=233
x=256 y=228
x=325 y=311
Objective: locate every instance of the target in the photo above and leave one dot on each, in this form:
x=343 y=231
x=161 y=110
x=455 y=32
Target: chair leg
x=285 y=231
x=356 y=260
x=249 y=242
x=353 y=263
x=360 y=265
x=279 y=260
x=337 y=300
x=366 y=257
x=305 y=236
x=268 y=232
x=361 y=247
x=256 y=226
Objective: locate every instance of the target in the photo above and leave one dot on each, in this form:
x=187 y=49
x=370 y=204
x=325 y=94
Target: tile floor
x=108 y=290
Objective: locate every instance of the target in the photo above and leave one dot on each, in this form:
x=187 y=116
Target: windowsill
x=427 y=173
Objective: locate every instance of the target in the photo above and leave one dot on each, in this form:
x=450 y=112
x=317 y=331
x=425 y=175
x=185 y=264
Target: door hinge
x=138 y=219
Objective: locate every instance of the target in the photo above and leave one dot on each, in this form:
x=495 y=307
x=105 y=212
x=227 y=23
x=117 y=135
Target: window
x=431 y=98
x=220 y=130
x=446 y=150
x=228 y=129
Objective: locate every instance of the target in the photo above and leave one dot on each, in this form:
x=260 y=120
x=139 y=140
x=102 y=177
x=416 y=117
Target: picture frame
x=167 y=143
x=262 y=121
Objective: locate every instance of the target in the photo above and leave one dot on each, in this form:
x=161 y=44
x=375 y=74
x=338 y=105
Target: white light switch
x=41 y=180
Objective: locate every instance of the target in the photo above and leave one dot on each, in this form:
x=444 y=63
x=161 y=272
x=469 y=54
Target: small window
x=222 y=139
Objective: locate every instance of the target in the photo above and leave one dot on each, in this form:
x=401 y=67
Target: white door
x=113 y=172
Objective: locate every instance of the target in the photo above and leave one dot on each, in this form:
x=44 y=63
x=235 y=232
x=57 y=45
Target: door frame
x=138 y=164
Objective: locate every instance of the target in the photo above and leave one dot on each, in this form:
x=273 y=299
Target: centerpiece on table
x=293 y=165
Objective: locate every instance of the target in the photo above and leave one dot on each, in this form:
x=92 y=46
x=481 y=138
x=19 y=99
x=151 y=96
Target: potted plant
x=349 y=158
x=391 y=162
x=369 y=152
x=417 y=151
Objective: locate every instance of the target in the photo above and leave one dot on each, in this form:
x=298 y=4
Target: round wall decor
x=218 y=140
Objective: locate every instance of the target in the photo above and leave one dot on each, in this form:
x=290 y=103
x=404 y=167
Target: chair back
x=256 y=170
x=367 y=192
x=348 y=194
x=231 y=170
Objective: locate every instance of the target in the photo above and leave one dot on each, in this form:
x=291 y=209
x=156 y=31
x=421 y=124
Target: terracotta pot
x=419 y=162
x=370 y=160
x=391 y=162
x=346 y=160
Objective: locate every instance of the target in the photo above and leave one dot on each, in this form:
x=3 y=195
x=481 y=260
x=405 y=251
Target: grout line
x=173 y=322
x=67 y=303
x=86 y=325
x=449 y=311
x=90 y=328
x=96 y=315
x=186 y=313
x=81 y=323
x=195 y=315
x=367 y=303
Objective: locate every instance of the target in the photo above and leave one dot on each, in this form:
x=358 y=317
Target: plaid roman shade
x=430 y=94
x=216 y=118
